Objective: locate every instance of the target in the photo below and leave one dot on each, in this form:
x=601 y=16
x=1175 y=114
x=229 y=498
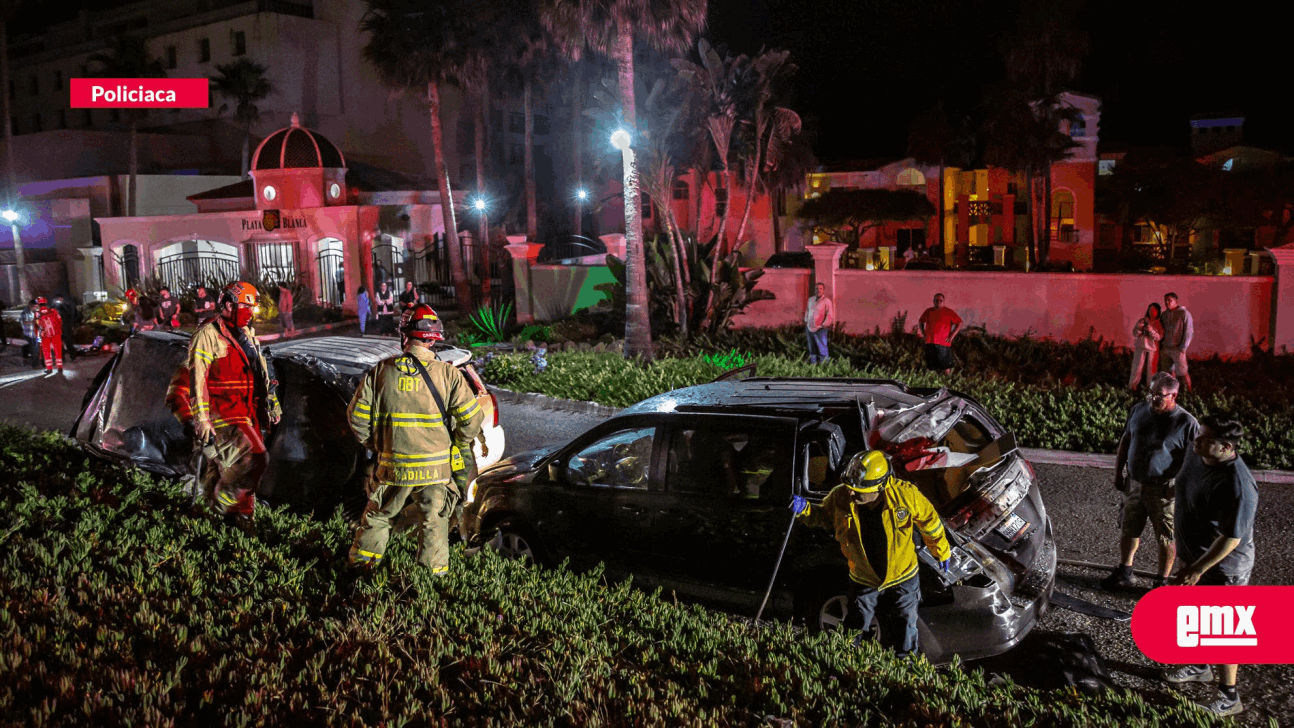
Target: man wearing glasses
x=1155 y=441
x=1217 y=499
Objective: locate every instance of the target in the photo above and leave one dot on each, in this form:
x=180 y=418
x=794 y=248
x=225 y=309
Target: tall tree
x=7 y=8
x=944 y=138
x=769 y=126
x=129 y=58
x=610 y=27
x=417 y=45
x=244 y=83
x=1043 y=57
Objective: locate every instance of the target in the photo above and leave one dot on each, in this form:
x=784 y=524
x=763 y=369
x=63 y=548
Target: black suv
x=689 y=490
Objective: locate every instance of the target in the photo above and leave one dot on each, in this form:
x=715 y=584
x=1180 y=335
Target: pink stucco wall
x=791 y=288
x=1066 y=306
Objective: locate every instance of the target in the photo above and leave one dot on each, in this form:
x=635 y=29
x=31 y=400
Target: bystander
x=819 y=317
x=1179 y=329
x=939 y=325
x=1146 y=334
x=1217 y=499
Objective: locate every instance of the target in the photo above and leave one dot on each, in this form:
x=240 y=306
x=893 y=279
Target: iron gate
x=181 y=270
x=332 y=277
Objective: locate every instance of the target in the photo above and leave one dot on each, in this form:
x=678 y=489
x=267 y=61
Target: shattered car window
x=621 y=460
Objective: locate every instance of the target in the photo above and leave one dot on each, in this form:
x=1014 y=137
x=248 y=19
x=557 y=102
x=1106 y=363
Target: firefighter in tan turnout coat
x=409 y=427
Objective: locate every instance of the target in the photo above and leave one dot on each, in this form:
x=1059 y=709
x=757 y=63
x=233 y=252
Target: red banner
x=1226 y=625
x=139 y=93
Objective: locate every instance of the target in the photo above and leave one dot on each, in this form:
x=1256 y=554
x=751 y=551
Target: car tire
x=512 y=540
x=821 y=602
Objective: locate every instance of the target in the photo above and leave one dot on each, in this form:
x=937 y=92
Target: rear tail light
x=495 y=401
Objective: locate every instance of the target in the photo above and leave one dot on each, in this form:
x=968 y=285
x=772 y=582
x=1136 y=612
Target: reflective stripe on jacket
x=177 y=395
x=224 y=386
x=393 y=414
x=906 y=508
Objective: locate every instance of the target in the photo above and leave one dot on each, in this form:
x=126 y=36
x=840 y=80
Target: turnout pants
x=385 y=503
x=233 y=475
x=51 y=348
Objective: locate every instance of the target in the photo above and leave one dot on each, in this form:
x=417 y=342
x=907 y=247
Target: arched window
x=332 y=276
x=911 y=178
x=187 y=262
x=129 y=262
x=1062 y=216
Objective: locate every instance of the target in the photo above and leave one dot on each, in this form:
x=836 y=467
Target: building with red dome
x=304 y=215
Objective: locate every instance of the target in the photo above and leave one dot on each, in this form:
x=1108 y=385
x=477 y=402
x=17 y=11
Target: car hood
x=518 y=464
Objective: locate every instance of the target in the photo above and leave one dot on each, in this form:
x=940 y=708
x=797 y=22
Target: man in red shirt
x=939 y=326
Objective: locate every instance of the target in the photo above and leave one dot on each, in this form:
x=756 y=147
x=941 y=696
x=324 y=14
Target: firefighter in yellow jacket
x=418 y=433
x=873 y=514
x=232 y=399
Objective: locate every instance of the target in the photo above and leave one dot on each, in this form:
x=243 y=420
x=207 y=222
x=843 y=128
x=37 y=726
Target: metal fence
x=575 y=247
x=428 y=267
x=180 y=270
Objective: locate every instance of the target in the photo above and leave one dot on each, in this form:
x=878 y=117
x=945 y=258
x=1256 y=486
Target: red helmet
x=421 y=322
x=42 y=301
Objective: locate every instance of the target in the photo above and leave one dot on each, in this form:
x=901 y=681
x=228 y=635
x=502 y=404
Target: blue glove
x=799 y=505
x=944 y=565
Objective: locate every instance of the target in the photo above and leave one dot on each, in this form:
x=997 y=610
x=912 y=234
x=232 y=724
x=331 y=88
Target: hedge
x=121 y=608
x=1053 y=414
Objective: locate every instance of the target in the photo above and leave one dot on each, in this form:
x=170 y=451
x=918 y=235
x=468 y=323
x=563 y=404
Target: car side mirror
x=556 y=472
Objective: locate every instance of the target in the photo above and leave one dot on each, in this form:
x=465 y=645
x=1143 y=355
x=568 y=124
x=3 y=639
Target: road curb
x=1034 y=455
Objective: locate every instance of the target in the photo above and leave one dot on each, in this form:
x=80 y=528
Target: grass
x=118 y=608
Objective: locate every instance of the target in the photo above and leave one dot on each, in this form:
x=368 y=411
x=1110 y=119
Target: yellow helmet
x=867 y=471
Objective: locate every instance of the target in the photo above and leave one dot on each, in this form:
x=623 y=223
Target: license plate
x=1013 y=527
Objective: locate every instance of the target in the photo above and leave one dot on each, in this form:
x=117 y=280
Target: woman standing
x=1145 y=347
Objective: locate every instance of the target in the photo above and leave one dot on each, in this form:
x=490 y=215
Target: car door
x=599 y=505
x=723 y=510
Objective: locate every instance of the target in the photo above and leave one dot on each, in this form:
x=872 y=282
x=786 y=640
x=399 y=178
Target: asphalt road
x=1081 y=502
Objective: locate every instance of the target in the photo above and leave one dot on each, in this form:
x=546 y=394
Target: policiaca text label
x=139 y=93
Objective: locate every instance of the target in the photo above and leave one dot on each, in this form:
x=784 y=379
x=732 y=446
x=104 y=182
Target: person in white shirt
x=819 y=317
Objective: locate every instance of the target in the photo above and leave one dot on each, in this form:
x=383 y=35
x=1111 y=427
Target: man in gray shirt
x=1155 y=441
x=1179 y=329
x=1217 y=500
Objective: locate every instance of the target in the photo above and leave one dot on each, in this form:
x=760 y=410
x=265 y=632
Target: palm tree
x=715 y=80
x=609 y=27
x=7 y=8
x=244 y=83
x=938 y=137
x=769 y=127
x=129 y=58
x=417 y=45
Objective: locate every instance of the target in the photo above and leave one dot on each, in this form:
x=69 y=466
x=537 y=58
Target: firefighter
x=419 y=415
x=232 y=398
x=51 y=335
x=874 y=514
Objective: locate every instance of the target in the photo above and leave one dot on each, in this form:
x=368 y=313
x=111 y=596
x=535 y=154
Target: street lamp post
x=581 y=196
x=24 y=293
x=485 y=249
x=637 y=320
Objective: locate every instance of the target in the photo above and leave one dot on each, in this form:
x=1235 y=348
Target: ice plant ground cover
x=120 y=608
x=1051 y=395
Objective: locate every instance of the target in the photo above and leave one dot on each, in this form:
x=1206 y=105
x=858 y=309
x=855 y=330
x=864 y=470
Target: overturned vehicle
x=689 y=490
x=315 y=462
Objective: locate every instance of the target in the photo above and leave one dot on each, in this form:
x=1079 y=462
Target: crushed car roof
x=782 y=393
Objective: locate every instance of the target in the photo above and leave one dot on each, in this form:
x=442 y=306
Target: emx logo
x=1211 y=626
x=1214 y=624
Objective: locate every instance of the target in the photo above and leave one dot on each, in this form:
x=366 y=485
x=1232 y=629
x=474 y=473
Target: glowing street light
x=9 y=215
x=480 y=204
x=620 y=139
x=484 y=246
x=582 y=194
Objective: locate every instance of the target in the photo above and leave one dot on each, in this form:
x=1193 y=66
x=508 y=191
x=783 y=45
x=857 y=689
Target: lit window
x=911 y=178
x=1226 y=166
x=269 y=193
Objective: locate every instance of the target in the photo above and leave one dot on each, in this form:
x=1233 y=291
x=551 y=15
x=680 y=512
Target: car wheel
x=513 y=541
x=821 y=602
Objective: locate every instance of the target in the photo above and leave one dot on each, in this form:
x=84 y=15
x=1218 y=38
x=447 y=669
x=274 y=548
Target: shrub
x=119 y=610
x=1043 y=413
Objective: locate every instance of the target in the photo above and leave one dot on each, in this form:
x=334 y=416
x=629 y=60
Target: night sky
x=868 y=66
